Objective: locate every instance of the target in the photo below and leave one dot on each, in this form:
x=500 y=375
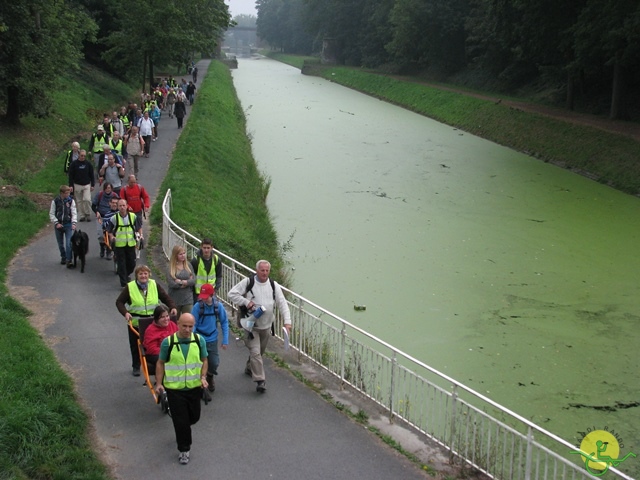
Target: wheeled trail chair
x=148 y=362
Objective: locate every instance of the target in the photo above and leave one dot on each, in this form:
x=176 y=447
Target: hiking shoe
x=183 y=458
x=135 y=371
x=70 y=265
x=63 y=261
x=261 y=387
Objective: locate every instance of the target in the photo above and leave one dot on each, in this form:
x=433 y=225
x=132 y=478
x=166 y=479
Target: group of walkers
x=116 y=148
x=183 y=353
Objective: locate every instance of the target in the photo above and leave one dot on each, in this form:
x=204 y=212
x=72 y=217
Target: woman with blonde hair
x=181 y=280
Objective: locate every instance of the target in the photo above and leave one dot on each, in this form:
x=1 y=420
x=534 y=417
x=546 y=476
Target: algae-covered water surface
x=513 y=276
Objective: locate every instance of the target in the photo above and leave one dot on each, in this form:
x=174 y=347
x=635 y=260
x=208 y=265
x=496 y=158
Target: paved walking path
x=288 y=433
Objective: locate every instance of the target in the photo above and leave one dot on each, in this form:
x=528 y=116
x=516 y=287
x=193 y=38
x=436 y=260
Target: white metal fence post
x=528 y=460
x=452 y=428
x=343 y=336
x=392 y=386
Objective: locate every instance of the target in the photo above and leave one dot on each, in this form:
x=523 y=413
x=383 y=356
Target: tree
x=282 y=25
x=429 y=34
x=342 y=21
x=376 y=33
x=155 y=32
x=607 y=35
x=244 y=20
x=269 y=22
x=40 y=40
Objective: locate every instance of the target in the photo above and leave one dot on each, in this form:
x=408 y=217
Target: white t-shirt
x=146 y=127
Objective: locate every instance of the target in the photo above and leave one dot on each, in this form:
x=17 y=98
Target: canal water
x=513 y=276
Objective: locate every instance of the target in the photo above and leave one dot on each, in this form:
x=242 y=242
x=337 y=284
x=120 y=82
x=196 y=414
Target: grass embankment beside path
x=605 y=157
x=44 y=433
x=217 y=190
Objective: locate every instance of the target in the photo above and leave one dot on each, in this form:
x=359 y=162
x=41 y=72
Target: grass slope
x=217 y=190
x=43 y=429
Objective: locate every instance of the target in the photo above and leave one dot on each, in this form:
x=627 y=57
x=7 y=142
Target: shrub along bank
x=43 y=429
x=606 y=157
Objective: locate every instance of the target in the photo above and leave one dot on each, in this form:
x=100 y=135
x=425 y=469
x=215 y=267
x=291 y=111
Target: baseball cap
x=206 y=291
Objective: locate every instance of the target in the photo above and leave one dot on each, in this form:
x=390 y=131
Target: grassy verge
x=216 y=187
x=43 y=429
x=297 y=61
x=606 y=157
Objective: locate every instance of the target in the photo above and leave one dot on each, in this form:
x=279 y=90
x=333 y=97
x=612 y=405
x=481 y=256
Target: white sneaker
x=183 y=458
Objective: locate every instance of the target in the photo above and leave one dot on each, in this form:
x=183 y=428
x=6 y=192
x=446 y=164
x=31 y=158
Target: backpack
x=202 y=314
x=116 y=225
x=172 y=343
x=243 y=311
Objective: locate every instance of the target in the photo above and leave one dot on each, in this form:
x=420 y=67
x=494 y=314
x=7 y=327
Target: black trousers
x=147 y=144
x=133 y=346
x=185 y=411
x=125 y=263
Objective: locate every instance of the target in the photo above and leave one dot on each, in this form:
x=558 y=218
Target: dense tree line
x=583 y=50
x=41 y=40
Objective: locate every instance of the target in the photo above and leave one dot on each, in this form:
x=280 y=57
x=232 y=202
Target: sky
x=239 y=7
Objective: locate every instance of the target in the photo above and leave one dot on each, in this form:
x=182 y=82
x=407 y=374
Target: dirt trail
x=628 y=129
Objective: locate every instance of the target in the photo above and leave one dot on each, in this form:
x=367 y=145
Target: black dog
x=80 y=247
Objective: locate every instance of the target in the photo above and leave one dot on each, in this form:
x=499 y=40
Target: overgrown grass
x=297 y=61
x=217 y=190
x=31 y=156
x=42 y=427
x=609 y=158
x=43 y=430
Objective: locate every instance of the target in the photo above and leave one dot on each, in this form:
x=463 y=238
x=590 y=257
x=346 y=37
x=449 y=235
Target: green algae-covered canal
x=513 y=276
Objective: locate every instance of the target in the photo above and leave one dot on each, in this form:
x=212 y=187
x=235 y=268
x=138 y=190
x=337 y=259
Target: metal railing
x=471 y=427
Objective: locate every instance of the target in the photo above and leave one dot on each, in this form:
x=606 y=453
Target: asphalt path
x=289 y=432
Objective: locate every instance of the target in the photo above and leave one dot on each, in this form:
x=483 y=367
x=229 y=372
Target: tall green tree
x=281 y=23
x=607 y=40
x=269 y=22
x=162 y=32
x=429 y=34
x=39 y=41
x=342 y=21
x=376 y=33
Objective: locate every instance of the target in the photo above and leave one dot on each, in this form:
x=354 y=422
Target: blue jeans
x=213 y=358
x=63 y=236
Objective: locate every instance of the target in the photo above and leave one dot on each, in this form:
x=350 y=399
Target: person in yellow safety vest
x=122 y=228
x=138 y=299
x=181 y=373
x=98 y=139
x=72 y=155
x=207 y=266
x=116 y=143
x=117 y=147
x=124 y=118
